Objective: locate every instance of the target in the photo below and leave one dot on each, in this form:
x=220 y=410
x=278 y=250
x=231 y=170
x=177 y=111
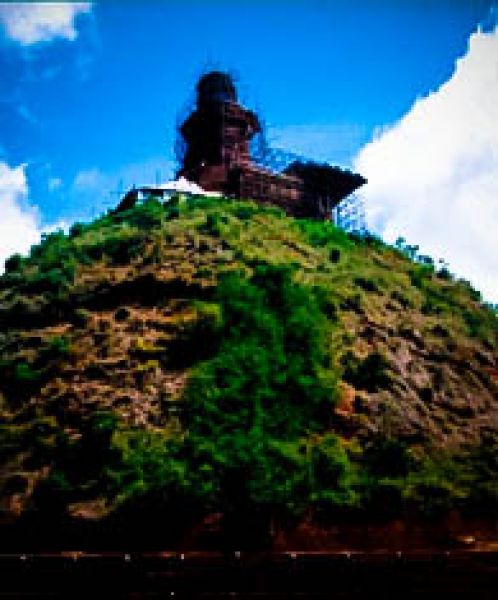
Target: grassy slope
x=135 y=371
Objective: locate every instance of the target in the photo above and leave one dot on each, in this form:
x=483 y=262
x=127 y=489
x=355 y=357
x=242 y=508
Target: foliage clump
x=370 y=374
x=269 y=386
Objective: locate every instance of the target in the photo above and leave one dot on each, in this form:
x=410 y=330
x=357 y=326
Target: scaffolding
x=349 y=214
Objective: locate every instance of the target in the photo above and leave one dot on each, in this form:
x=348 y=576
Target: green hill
x=218 y=370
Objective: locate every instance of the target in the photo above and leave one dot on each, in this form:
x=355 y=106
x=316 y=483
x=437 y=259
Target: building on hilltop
x=217 y=136
x=216 y=159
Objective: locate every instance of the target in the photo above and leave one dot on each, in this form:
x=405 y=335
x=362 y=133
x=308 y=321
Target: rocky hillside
x=229 y=368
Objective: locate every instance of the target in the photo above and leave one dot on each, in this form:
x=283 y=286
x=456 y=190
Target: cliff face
x=218 y=360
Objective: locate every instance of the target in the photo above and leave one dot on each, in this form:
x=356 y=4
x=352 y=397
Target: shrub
x=469 y=290
x=53 y=280
x=333 y=476
x=213 y=224
x=439 y=482
x=79 y=463
x=370 y=374
x=197 y=339
x=144 y=216
x=80 y=317
x=325 y=302
x=24 y=373
x=121 y=314
x=244 y=212
x=353 y=303
x=445 y=274
x=56 y=347
x=119 y=246
x=387 y=457
x=483 y=464
x=474 y=321
x=144 y=462
x=335 y=255
x=76 y=230
x=419 y=274
x=19 y=379
x=366 y=284
x=323 y=233
x=13 y=263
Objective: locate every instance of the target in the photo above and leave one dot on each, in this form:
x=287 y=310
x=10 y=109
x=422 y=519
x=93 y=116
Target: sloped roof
x=181 y=185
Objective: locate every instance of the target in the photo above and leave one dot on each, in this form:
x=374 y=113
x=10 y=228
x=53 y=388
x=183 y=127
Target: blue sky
x=90 y=93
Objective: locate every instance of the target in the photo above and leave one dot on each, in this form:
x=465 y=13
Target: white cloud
x=433 y=176
x=19 y=225
x=34 y=22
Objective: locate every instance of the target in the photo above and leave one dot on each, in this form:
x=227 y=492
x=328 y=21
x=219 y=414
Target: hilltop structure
x=217 y=136
x=217 y=160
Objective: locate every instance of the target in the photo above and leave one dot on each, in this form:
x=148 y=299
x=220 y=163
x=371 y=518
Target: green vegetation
x=250 y=408
x=217 y=357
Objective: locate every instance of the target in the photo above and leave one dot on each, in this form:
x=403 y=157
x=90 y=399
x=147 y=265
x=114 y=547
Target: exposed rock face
x=448 y=390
